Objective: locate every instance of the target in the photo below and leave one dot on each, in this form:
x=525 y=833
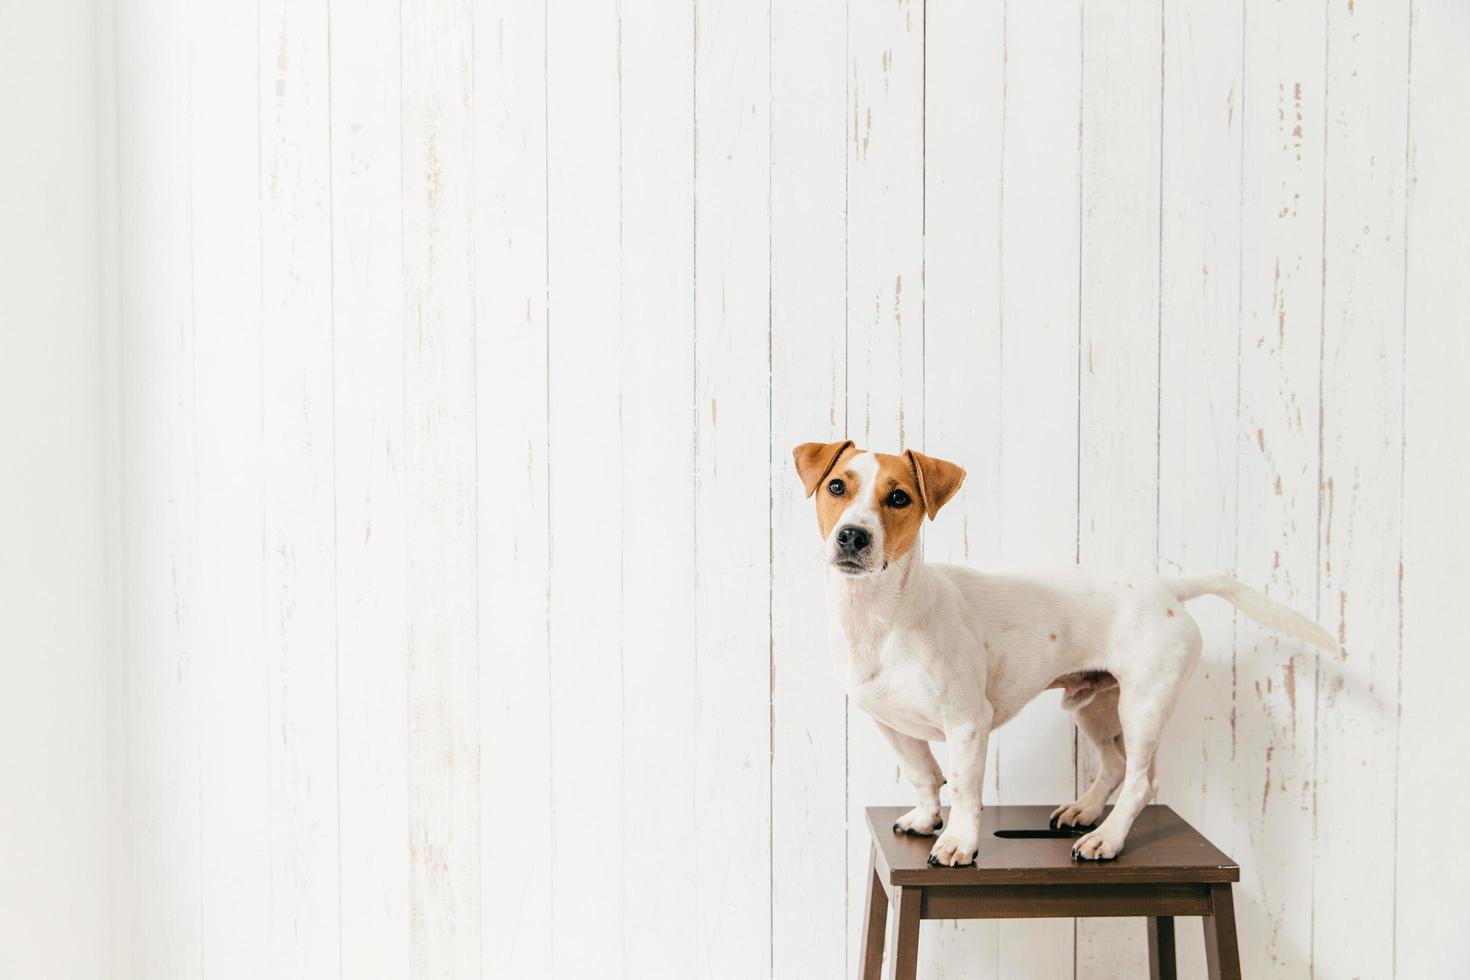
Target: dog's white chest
x=897 y=690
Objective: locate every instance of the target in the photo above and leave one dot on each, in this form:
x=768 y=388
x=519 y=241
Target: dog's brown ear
x=814 y=460
x=939 y=480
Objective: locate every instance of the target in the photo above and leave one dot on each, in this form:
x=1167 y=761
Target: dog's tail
x=1263 y=610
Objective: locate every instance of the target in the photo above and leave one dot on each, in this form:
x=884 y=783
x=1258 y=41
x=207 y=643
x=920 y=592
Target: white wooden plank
x=297 y=432
x=1199 y=353
x=118 y=863
x=232 y=696
x=885 y=321
x=371 y=537
x=586 y=489
x=1436 y=530
x=808 y=393
x=511 y=439
x=1118 y=456
x=440 y=493
x=656 y=55
x=1361 y=481
x=732 y=488
x=1037 y=467
x=1274 y=707
x=963 y=128
x=159 y=494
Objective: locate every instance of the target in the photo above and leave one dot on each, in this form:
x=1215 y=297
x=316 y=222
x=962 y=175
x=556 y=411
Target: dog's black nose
x=852 y=539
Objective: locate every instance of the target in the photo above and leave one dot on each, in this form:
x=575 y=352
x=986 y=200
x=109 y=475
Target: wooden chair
x=1025 y=870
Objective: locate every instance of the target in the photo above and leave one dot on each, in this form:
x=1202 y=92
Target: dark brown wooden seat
x=1026 y=870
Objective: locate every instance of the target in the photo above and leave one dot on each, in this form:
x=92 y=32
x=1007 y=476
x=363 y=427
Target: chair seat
x=1161 y=847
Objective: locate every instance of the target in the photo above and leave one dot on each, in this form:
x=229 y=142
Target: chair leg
x=1161 y=961
x=1222 y=951
x=903 y=960
x=875 y=923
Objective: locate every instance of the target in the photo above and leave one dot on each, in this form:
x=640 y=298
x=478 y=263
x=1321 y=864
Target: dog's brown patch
x=830 y=506
x=900 y=524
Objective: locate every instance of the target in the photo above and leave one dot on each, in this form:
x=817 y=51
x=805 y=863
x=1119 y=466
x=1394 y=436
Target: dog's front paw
x=1079 y=814
x=921 y=821
x=1096 y=846
x=955 y=848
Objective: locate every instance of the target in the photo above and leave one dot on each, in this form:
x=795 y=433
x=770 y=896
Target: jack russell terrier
x=943 y=653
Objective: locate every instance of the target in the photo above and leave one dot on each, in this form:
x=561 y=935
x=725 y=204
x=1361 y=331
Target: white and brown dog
x=938 y=652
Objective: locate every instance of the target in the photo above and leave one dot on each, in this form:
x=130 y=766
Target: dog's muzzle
x=853 y=547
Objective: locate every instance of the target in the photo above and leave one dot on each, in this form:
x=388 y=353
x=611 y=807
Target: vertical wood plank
x=512 y=446
x=113 y=561
x=159 y=493
x=1121 y=123
x=885 y=318
x=587 y=683
x=371 y=538
x=440 y=494
x=1118 y=459
x=732 y=487
x=1436 y=529
x=1199 y=339
x=235 y=776
x=1036 y=470
x=964 y=107
x=1361 y=481
x=1274 y=707
x=298 y=428
x=808 y=395
x=656 y=54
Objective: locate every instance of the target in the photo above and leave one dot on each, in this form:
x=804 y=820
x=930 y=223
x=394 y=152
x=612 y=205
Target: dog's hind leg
x=1144 y=704
x=1097 y=719
x=922 y=771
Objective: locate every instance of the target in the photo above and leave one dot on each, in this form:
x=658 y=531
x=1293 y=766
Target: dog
x=944 y=653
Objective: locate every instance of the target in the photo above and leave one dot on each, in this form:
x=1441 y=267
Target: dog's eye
x=897 y=499
x=836 y=488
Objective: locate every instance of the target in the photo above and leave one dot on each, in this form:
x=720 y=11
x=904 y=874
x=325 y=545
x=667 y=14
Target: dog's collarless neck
x=866 y=609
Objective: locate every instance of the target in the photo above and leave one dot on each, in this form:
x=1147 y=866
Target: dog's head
x=870 y=505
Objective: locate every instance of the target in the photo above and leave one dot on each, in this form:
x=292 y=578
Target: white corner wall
x=53 y=802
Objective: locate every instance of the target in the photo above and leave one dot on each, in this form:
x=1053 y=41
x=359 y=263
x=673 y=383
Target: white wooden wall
x=472 y=617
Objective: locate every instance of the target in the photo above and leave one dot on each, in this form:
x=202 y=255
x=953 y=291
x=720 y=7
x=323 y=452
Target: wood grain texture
x=160 y=681
x=1360 y=526
x=298 y=429
x=440 y=493
x=809 y=832
x=658 y=532
x=585 y=451
x=1436 y=528
x=1274 y=709
x=371 y=527
x=225 y=255
x=512 y=442
x=732 y=489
